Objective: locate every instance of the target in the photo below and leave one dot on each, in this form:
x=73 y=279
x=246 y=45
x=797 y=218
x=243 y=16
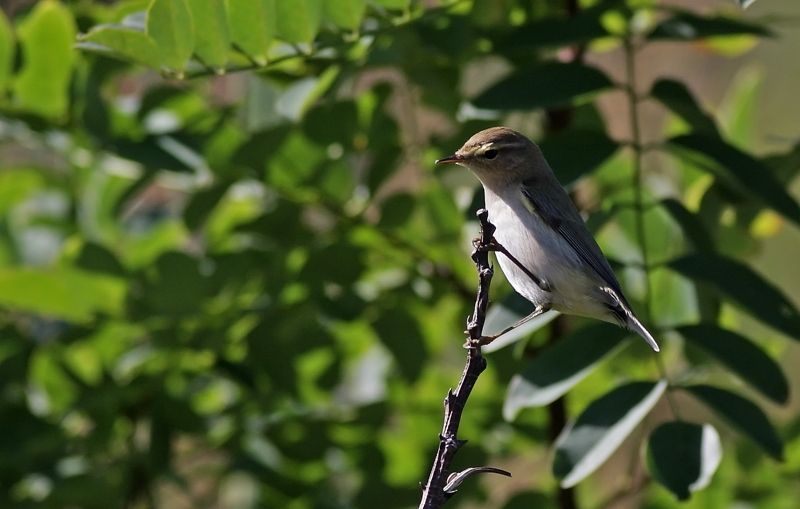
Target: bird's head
x=499 y=157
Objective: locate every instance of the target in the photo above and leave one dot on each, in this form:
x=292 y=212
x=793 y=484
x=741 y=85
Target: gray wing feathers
x=557 y=211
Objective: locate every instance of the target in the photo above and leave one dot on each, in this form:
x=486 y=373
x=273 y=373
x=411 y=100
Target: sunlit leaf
x=345 y=13
x=675 y=96
x=601 y=428
x=393 y=4
x=747 y=173
x=7 y=49
x=47 y=374
x=252 y=26
x=743 y=286
x=212 y=40
x=557 y=369
x=46 y=37
x=743 y=415
x=17 y=185
x=68 y=294
x=122 y=41
x=549 y=84
x=170 y=24
x=741 y=107
x=742 y=356
x=299 y=20
x=683 y=456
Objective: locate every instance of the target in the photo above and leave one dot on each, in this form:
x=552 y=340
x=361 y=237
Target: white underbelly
x=547 y=255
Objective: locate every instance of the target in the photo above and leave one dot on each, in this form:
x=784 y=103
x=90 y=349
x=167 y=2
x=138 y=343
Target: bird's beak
x=455 y=158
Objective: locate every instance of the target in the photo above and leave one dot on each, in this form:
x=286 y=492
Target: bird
x=549 y=256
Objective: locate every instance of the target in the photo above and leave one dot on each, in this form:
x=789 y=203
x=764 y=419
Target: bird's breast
x=542 y=251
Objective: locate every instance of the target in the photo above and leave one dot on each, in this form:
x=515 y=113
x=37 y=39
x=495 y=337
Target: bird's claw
x=479 y=342
x=479 y=245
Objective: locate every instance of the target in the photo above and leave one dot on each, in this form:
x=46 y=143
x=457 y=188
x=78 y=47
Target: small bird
x=551 y=259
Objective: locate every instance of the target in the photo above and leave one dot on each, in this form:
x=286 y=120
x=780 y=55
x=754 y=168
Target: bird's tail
x=633 y=324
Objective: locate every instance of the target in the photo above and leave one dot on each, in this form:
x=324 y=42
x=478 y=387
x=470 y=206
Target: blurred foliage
x=246 y=289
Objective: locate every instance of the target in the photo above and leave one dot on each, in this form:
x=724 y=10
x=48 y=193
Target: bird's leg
x=498 y=247
x=541 y=309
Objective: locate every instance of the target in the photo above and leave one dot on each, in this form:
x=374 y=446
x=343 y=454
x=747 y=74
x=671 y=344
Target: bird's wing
x=555 y=208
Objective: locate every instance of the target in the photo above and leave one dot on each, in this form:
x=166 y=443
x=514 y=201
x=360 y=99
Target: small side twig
x=441 y=484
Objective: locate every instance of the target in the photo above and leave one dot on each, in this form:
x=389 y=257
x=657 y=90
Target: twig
x=630 y=48
x=441 y=485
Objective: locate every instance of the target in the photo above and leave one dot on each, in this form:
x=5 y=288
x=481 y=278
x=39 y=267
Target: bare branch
x=441 y=484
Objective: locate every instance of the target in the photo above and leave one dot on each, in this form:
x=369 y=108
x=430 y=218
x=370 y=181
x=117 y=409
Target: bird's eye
x=490 y=154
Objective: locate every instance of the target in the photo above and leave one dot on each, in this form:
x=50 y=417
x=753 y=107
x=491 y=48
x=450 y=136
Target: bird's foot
x=479 y=342
x=479 y=245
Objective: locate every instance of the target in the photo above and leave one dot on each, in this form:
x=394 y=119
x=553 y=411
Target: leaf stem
x=638 y=148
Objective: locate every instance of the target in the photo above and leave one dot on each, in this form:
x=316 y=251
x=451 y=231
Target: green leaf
x=741 y=107
x=741 y=356
x=7 y=49
x=124 y=42
x=177 y=285
x=400 y=333
x=17 y=185
x=345 y=13
x=744 y=171
x=396 y=210
x=683 y=456
x=512 y=308
x=170 y=24
x=675 y=96
x=212 y=39
x=743 y=415
x=46 y=37
x=686 y=26
x=202 y=204
x=691 y=225
x=570 y=164
x=96 y=258
x=442 y=211
x=555 y=31
x=786 y=165
x=601 y=428
x=557 y=369
x=68 y=294
x=745 y=287
x=252 y=26
x=549 y=84
x=299 y=20
x=393 y=4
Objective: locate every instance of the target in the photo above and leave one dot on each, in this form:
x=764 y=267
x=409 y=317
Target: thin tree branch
x=630 y=48
x=441 y=484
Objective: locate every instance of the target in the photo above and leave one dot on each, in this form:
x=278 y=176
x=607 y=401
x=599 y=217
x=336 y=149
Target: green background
x=231 y=277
